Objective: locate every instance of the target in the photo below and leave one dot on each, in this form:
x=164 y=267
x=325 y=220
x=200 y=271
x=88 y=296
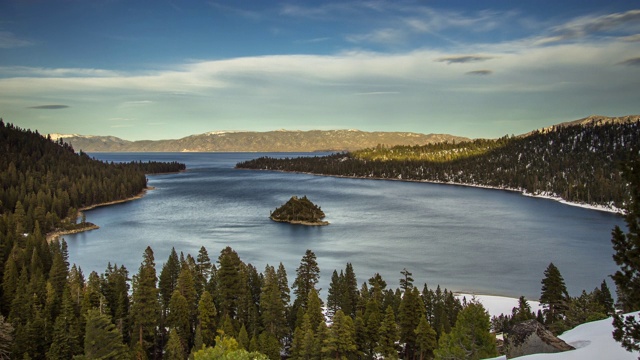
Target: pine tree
x=522 y=312
x=334 y=293
x=273 y=310
x=145 y=309
x=388 y=336
x=406 y=282
x=470 y=338
x=372 y=319
x=229 y=280
x=627 y=255
x=426 y=341
x=66 y=332
x=102 y=338
x=340 y=343
x=178 y=318
x=409 y=314
x=349 y=295
x=203 y=269
x=207 y=318
x=307 y=276
x=554 y=295
x=168 y=280
x=314 y=309
x=174 y=350
x=243 y=338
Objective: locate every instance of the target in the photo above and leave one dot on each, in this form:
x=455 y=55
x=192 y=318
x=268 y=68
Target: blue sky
x=167 y=69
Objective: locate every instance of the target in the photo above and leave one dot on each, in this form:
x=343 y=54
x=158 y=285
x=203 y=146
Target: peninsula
x=299 y=211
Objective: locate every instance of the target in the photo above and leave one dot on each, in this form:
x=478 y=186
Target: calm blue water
x=465 y=239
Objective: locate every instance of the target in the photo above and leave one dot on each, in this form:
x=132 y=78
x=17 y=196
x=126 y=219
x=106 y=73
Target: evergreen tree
x=334 y=293
x=207 y=318
x=340 y=342
x=388 y=336
x=203 y=270
x=406 y=282
x=174 y=350
x=269 y=345
x=372 y=320
x=627 y=255
x=307 y=276
x=102 y=338
x=554 y=295
x=349 y=294
x=470 y=338
x=243 y=338
x=178 y=318
x=230 y=285
x=145 y=309
x=168 y=280
x=522 y=312
x=409 y=314
x=273 y=310
x=426 y=341
x=314 y=309
x=603 y=297
x=66 y=333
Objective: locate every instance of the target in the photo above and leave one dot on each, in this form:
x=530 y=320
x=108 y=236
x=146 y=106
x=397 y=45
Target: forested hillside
x=579 y=163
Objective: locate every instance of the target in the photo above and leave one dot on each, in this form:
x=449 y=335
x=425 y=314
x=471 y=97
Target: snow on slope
x=592 y=341
x=497 y=305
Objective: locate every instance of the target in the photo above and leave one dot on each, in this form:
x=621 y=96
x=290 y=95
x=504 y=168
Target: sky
x=166 y=69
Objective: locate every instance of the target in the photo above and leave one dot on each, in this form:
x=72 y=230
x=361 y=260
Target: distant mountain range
x=286 y=140
x=248 y=141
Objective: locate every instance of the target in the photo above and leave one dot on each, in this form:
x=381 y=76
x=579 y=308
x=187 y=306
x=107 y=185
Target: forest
x=198 y=308
x=579 y=163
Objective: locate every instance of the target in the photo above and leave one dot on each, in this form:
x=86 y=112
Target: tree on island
x=299 y=211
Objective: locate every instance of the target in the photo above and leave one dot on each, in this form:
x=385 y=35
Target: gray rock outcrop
x=531 y=337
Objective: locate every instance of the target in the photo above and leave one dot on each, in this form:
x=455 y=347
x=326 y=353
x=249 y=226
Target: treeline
x=194 y=305
x=580 y=163
x=45 y=182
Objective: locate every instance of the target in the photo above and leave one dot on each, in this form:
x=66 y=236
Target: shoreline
x=305 y=223
x=611 y=209
x=90 y=226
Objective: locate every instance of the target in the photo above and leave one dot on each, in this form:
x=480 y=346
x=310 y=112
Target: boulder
x=531 y=337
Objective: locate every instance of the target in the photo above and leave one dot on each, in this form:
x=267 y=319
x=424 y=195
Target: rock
x=531 y=337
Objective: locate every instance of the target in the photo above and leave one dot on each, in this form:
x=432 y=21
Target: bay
x=466 y=239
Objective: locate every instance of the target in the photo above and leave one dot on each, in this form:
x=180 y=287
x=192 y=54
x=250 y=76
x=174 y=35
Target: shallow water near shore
x=465 y=239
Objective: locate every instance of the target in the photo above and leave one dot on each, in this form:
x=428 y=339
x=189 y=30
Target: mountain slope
x=270 y=141
x=578 y=163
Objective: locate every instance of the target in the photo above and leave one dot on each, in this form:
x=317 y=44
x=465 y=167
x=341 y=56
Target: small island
x=299 y=211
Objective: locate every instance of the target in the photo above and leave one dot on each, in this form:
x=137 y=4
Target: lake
x=465 y=239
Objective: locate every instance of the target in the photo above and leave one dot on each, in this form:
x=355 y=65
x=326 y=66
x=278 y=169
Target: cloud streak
x=594 y=25
x=479 y=72
x=9 y=40
x=49 y=107
x=461 y=59
x=631 y=62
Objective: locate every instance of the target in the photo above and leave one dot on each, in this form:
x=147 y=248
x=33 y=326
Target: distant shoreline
x=611 y=209
x=90 y=226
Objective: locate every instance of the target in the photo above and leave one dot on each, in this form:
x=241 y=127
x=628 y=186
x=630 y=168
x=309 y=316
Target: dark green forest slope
x=578 y=163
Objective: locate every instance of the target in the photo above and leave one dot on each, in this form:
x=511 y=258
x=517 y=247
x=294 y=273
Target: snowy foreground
x=593 y=341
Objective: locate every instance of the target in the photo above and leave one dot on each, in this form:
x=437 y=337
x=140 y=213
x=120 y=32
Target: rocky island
x=299 y=211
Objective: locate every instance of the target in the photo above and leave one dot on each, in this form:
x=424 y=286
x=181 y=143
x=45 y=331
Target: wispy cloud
x=631 y=38
x=49 y=107
x=631 y=62
x=479 y=72
x=9 y=40
x=382 y=36
x=460 y=59
x=376 y=93
x=582 y=27
x=313 y=41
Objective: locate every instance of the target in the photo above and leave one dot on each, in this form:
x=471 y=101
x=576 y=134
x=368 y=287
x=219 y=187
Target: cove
x=466 y=239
